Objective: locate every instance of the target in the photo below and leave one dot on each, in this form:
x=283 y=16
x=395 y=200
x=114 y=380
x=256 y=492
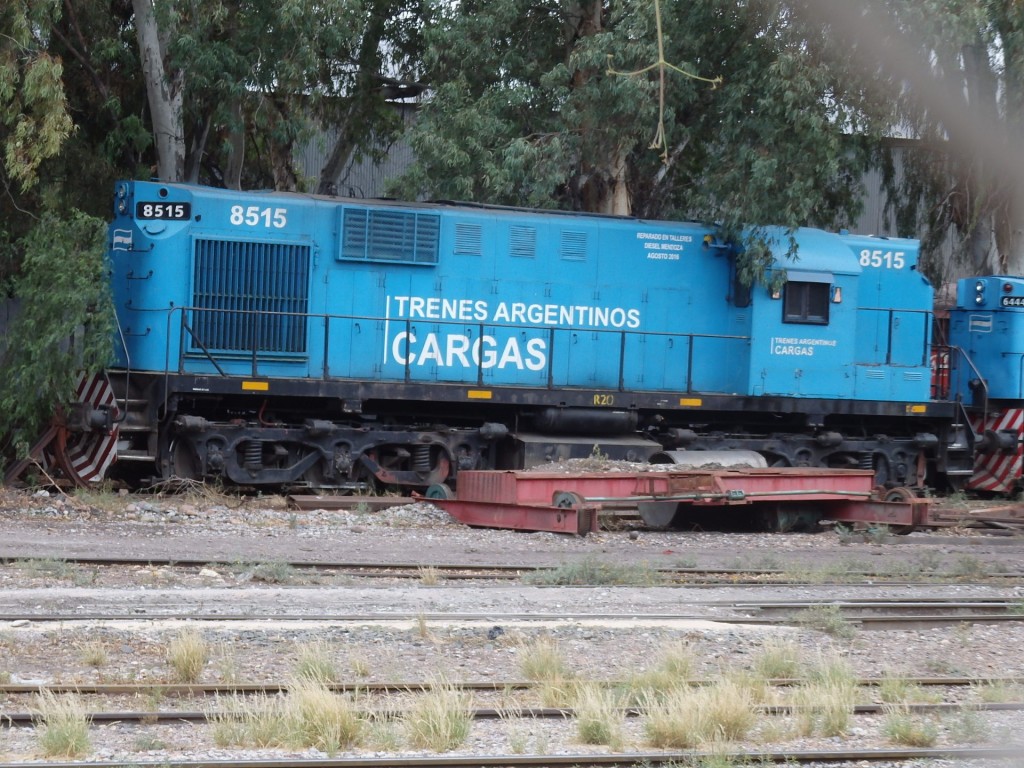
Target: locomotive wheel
x=900 y=494
x=84 y=457
x=184 y=464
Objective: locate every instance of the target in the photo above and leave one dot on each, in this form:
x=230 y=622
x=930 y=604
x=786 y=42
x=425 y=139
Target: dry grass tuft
x=902 y=728
x=62 y=725
x=440 y=719
x=542 y=660
x=314 y=663
x=321 y=719
x=998 y=691
x=598 y=716
x=94 y=654
x=893 y=689
x=256 y=721
x=825 y=703
x=429 y=576
x=187 y=656
x=688 y=718
x=778 y=660
x=543 y=663
x=360 y=665
x=673 y=670
x=309 y=716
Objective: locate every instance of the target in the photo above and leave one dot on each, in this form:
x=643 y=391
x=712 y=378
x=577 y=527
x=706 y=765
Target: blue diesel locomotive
x=986 y=372
x=275 y=339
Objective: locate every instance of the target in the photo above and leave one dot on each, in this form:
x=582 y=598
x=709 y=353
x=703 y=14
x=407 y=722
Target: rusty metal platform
x=574 y=503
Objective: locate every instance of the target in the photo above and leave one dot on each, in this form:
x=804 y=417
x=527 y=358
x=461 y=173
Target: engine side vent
x=402 y=236
x=524 y=242
x=250 y=295
x=469 y=239
x=574 y=245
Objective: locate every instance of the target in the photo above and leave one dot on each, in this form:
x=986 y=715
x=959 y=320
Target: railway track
x=478 y=713
x=865 y=614
x=369 y=687
x=831 y=758
x=433 y=610
x=489 y=713
x=682 y=575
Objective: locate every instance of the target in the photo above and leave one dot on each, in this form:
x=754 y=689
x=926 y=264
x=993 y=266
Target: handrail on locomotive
x=255 y=348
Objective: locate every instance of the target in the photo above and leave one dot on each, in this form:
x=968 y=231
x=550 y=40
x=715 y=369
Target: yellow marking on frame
x=255 y=386
x=479 y=394
x=692 y=402
x=917 y=409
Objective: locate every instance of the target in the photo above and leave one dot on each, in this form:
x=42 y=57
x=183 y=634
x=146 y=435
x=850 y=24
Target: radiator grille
x=250 y=295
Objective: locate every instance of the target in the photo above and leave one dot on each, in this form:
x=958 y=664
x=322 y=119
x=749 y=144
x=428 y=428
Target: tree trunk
x=236 y=158
x=358 y=99
x=340 y=153
x=195 y=156
x=603 y=187
x=165 y=94
x=281 y=151
x=1010 y=235
x=981 y=245
x=619 y=203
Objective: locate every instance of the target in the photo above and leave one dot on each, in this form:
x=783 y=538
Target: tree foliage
x=234 y=86
x=64 y=129
x=964 y=185
x=529 y=107
x=239 y=84
x=63 y=325
x=34 y=119
x=530 y=103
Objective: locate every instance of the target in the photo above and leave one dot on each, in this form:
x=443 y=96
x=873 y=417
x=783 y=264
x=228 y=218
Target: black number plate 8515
x=173 y=211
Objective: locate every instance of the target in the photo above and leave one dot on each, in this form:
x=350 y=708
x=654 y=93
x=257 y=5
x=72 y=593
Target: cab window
x=805 y=303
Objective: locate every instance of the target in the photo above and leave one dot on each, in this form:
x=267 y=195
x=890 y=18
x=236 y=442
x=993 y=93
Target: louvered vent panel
x=372 y=235
x=428 y=230
x=250 y=294
x=354 y=237
x=574 y=245
x=524 y=242
x=468 y=239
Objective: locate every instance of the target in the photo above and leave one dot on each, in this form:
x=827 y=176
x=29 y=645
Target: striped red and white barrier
x=88 y=455
x=999 y=472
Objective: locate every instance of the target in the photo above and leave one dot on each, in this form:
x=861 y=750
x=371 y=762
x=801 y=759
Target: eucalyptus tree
x=34 y=119
x=740 y=112
x=235 y=85
x=961 y=67
x=51 y=255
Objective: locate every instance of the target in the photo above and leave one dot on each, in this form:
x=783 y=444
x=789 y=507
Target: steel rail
x=25 y=719
x=834 y=757
x=879 y=621
x=468 y=571
x=485 y=686
x=371 y=569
